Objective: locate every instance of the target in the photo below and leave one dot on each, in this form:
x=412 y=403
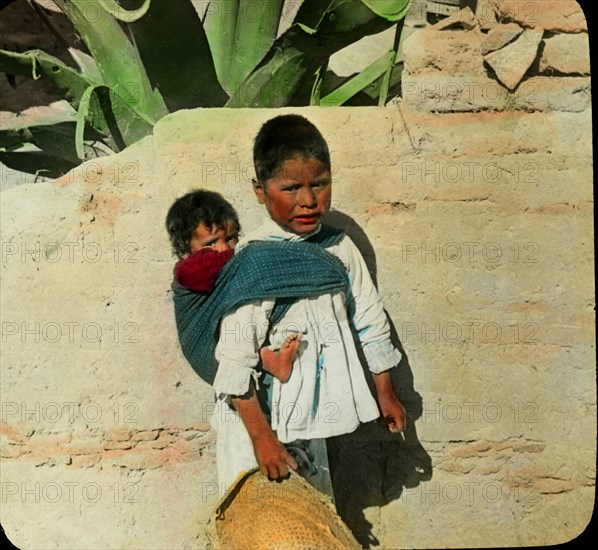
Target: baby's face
x=298 y=196
x=217 y=238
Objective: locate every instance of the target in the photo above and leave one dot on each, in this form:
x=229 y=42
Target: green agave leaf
x=274 y=83
x=51 y=128
x=307 y=29
x=396 y=47
x=335 y=17
x=109 y=113
x=256 y=31
x=46 y=145
x=240 y=33
x=359 y=82
x=31 y=160
x=127 y=16
x=297 y=55
x=57 y=112
x=81 y=116
x=271 y=87
x=367 y=96
x=370 y=95
x=220 y=24
x=58 y=140
x=179 y=64
x=87 y=65
x=392 y=10
x=316 y=89
x=104 y=36
x=126 y=126
x=389 y=86
x=38 y=64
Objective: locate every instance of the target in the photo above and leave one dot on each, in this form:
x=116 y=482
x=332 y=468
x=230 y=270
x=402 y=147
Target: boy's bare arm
x=392 y=410
x=273 y=459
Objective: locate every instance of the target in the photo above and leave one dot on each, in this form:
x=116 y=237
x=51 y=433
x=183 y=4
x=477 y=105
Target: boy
x=204 y=229
x=327 y=393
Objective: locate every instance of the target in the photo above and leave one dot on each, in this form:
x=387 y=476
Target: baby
x=204 y=230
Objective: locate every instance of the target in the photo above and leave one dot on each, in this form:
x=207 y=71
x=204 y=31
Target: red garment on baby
x=199 y=270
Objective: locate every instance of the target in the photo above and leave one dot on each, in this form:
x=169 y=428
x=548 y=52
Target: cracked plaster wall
x=488 y=281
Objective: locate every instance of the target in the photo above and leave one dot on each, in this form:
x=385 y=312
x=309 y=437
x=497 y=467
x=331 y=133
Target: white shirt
x=327 y=393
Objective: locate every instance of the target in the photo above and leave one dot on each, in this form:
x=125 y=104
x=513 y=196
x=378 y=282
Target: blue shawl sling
x=281 y=270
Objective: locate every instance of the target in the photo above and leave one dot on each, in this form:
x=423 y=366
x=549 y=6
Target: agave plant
x=146 y=58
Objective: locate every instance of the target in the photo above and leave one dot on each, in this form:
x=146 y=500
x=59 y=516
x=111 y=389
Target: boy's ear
x=258 y=189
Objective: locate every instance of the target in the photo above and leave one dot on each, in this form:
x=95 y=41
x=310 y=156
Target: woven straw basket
x=258 y=514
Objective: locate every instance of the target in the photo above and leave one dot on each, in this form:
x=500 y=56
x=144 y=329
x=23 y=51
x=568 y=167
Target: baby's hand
x=273 y=459
x=219 y=247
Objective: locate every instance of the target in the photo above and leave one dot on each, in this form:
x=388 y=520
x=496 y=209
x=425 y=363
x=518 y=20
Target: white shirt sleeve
x=242 y=334
x=369 y=318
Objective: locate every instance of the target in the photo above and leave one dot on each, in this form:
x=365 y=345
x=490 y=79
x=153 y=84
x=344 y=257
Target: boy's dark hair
x=285 y=137
x=190 y=210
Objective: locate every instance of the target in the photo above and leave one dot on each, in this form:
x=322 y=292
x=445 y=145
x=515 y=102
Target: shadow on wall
x=371 y=466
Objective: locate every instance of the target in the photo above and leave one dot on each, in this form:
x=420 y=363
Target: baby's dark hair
x=188 y=211
x=285 y=137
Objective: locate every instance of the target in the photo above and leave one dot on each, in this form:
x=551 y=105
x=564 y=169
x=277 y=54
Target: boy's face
x=298 y=196
x=218 y=238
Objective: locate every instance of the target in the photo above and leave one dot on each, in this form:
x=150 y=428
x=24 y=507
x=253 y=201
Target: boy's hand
x=392 y=410
x=273 y=459
x=393 y=413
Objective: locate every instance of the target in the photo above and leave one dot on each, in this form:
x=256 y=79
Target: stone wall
x=507 y=55
x=478 y=227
